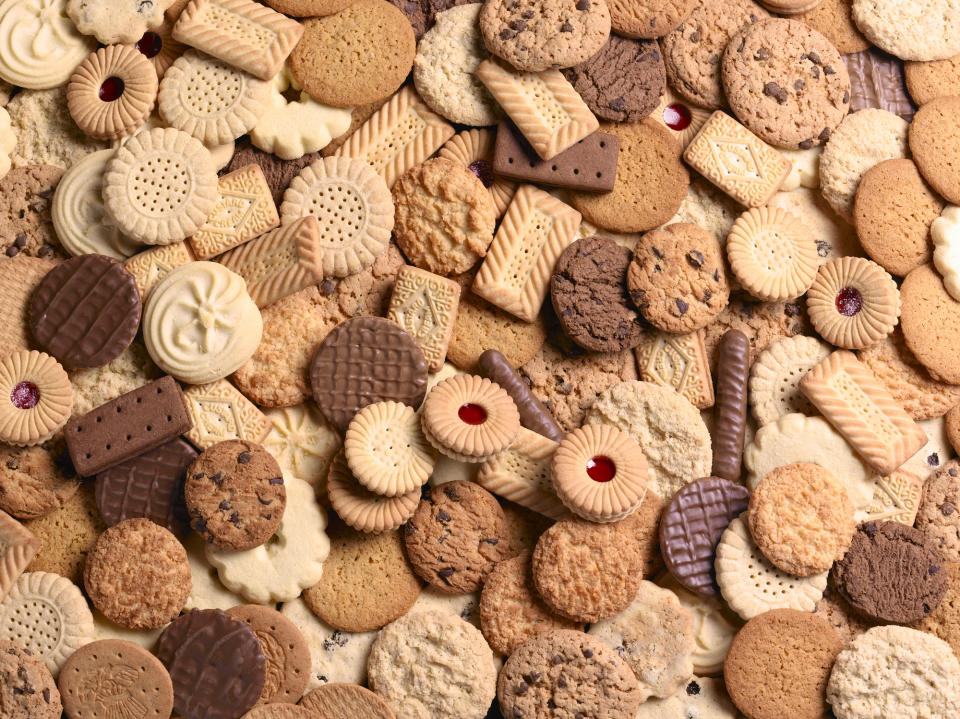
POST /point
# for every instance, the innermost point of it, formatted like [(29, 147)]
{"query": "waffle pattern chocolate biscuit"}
[(877, 80)]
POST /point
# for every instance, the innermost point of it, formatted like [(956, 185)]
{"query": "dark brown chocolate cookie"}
[(690, 528), (456, 536), (85, 312), (149, 485), (624, 81), (366, 360), (235, 495), (877, 81), (589, 294), (423, 13), (891, 573), (216, 664)]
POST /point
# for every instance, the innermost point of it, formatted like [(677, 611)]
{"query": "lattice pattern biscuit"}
[(515, 275), (860, 407), (244, 210), (151, 266), (679, 362), (543, 106), (737, 161), (896, 498), (400, 135), (425, 305), (219, 413)]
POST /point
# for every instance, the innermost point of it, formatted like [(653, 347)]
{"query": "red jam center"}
[(111, 89), (601, 469), (677, 117), (849, 301), (150, 44), (25, 395), (483, 170), (472, 414)]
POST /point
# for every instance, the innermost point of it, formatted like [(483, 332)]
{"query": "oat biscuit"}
[(362, 509), (219, 413), (775, 377), (37, 480), (934, 22), (762, 323), (679, 362), (153, 264), (39, 397), (737, 161), (938, 517), (930, 315)]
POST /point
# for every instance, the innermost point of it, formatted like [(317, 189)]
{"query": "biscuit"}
[(679, 362), (303, 443), (682, 118), (896, 498), (700, 696), (219, 413), (945, 232), (481, 326), (66, 535), (930, 315), (475, 149), (20, 547), (153, 264), (935, 147), (19, 276), (335, 700), (39, 697), (26, 226), (775, 377), (36, 480), (833, 19), (761, 322), (39, 397), (938, 517), (158, 46), (877, 80), (835, 237), (944, 621), (648, 18), (936, 24), (425, 306), (929, 80), (362, 509)]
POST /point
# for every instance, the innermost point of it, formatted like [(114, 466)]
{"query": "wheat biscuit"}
[(938, 516), (219, 413), (893, 211), (327, 65), (677, 278), (480, 326), (648, 18), (19, 276), (935, 22), (26, 225), (930, 315), (833, 19), (36, 480), (801, 518), (572, 551), (28, 688), (337, 700), (433, 665), (751, 585), (786, 102), (366, 583), (362, 509), (775, 377), (39, 398), (655, 636), (647, 159), (894, 669), (944, 621), (935, 144), (692, 52), (952, 426), (772, 253), (863, 139), (563, 673), (642, 527), (853, 302), (67, 535), (781, 661), (46, 614), (936, 78), (677, 361)]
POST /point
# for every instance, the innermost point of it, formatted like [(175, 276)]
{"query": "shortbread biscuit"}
[(303, 443), (679, 362), (362, 509), (775, 377), (515, 275), (425, 305), (38, 397), (896, 498), (220, 413), (155, 263)]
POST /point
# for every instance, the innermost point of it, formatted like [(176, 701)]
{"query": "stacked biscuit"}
[(520, 358)]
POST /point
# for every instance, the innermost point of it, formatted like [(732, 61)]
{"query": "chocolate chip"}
[(45, 250), (451, 492), (799, 85), (517, 714), (814, 58), (693, 689), (557, 659), (617, 104), (224, 505), (695, 258), (276, 480), (446, 572), (20, 242), (522, 688), (823, 248), (507, 34), (264, 502), (682, 306), (846, 96), (244, 458), (762, 54), (828, 70), (13, 251), (519, 25), (561, 682), (527, 14), (824, 134), (695, 36), (443, 516), (772, 89), (806, 144), (492, 540), (566, 27), (235, 519), (583, 5), (588, 653), (217, 478), (46, 695), (946, 509), (657, 252), (870, 528)]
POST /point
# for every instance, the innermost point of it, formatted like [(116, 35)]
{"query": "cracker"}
[(737, 161), (425, 305), (515, 275), (220, 413), (152, 265), (543, 105), (679, 362)]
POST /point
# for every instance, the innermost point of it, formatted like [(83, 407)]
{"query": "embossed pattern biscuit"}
[(219, 412), (425, 305), (152, 265), (775, 377), (677, 361)]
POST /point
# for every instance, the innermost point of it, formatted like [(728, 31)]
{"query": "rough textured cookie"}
[(648, 18), (775, 377), (456, 536), (474, 148), (862, 140), (833, 19), (935, 27), (623, 81), (564, 673), (894, 671), (95, 386), (433, 665), (27, 688), (838, 614), (481, 326), (939, 514), (37, 480), (340, 699), (571, 551), (929, 80), (930, 316), (328, 66), (667, 427), (935, 145), (46, 134), (235, 495), (692, 52), (787, 102), (780, 662), (26, 225), (762, 322), (67, 535)]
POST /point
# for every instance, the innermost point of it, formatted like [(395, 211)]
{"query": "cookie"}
[(460, 673), (153, 264), (775, 377), (159, 47), (933, 143), (838, 614), (853, 302), (944, 621), (29, 690), (219, 412), (567, 671), (26, 226), (425, 305), (930, 315), (474, 148), (891, 573), (896, 498), (655, 636), (325, 62), (362, 509), (445, 187), (751, 585), (66, 535), (20, 547), (622, 81), (781, 661), (367, 581), (761, 322), (692, 52), (682, 118), (604, 587), (676, 440), (481, 326), (648, 18), (36, 480), (833, 19), (335, 700), (700, 696), (877, 80), (945, 237), (835, 236), (929, 80), (805, 171), (677, 361), (469, 524), (884, 657), (938, 516), (849, 154), (39, 398), (786, 104), (303, 443), (883, 21)]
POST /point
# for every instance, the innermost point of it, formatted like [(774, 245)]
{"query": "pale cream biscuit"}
[(775, 377), (678, 362), (116, 21), (37, 397), (220, 413), (425, 305), (945, 233), (155, 263), (303, 443)]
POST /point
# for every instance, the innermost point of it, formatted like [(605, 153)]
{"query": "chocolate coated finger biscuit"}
[(730, 409), (533, 414)]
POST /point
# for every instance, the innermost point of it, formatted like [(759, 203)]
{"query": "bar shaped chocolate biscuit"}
[(589, 165), (128, 426)]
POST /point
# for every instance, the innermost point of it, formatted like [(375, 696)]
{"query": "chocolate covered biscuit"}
[(533, 414), (730, 409)]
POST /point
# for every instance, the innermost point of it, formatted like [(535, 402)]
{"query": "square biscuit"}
[(220, 413)]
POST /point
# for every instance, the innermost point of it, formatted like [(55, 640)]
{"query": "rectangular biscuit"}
[(543, 105), (219, 412), (591, 164), (242, 33), (245, 209), (152, 265), (861, 408), (400, 135), (425, 305), (128, 426), (737, 161), (279, 263), (678, 362), (515, 276), (522, 474)]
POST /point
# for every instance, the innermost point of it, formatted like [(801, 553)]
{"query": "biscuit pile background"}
[(533, 359)]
